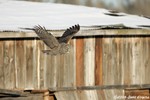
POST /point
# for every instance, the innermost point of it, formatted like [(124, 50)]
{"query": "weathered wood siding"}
[(99, 60)]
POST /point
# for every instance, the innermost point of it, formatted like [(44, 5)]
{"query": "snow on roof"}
[(22, 14)]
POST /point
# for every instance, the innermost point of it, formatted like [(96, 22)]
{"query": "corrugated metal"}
[(91, 61)]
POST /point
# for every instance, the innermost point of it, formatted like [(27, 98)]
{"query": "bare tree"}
[(140, 7)]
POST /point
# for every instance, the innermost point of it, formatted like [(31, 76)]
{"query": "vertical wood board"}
[(2, 64), (9, 65), (79, 62), (89, 61)]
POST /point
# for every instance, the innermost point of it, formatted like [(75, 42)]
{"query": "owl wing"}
[(68, 34), (47, 38)]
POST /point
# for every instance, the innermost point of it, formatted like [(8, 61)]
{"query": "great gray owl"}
[(57, 46)]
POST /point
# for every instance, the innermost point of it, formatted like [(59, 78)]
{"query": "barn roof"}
[(15, 15)]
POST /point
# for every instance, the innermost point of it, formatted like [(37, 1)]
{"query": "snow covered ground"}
[(16, 14)]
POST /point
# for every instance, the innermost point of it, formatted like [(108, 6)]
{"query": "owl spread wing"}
[(47, 38), (68, 34)]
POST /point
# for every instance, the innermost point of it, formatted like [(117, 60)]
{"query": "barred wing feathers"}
[(47, 38), (68, 34)]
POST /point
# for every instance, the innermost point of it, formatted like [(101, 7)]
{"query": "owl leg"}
[(46, 51)]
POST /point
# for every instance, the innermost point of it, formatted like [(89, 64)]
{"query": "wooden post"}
[(47, 96), (51, 98), (79, 62)]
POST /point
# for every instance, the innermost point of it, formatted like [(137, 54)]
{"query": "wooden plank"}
[(117, 65), (71, 65), (61, 70), (47, 97), (39, 64), (113, 66), (42, 63), (91, 95), (89, 61), (55, 75), (138, 94), (116, 60), (112, 69), (29, 64), (51, 77), (65, 69), (50, 70), (108, 70), (51, 98), (47, 70), (20, 63), (109, 94), (127, 60), (91, 32), (36, 62), (30, 97), (143, 58), (146, 58), (11, 92), (101, 95), (1, 64), (98, 62), (98, 66), (71, 95), (89, 67), (81, 95), (9, 64), (102, 87), (136, 64), (79, 62)]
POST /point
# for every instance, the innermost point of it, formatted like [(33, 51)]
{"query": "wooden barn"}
[(109, 57)]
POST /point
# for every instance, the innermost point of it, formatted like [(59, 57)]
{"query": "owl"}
[(56, 46)]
